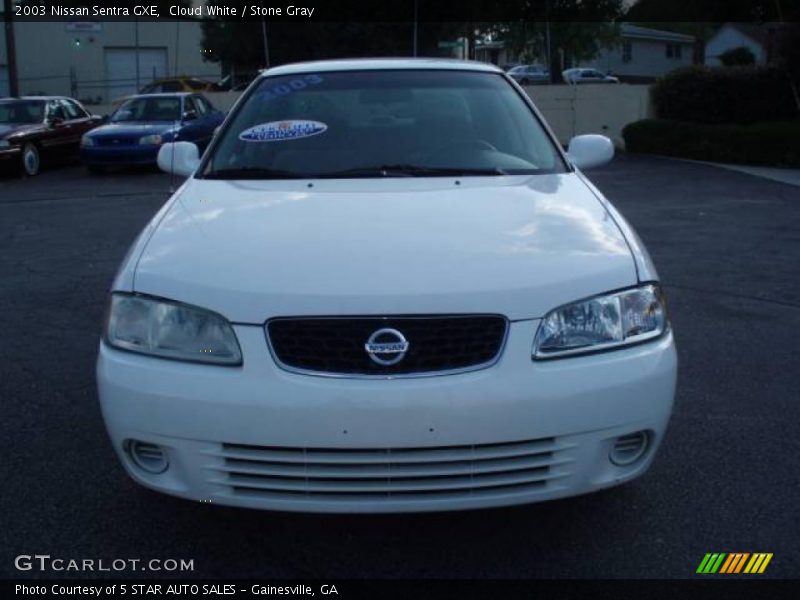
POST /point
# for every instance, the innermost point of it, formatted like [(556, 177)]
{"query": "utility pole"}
[(416, 2), (11, 50), (136, 43), (177, 47), (264, 37)]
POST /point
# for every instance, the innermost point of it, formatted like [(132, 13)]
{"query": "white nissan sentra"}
[(384, 287)]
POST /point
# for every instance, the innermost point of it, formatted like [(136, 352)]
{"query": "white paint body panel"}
[(518, 246), (190, 410)]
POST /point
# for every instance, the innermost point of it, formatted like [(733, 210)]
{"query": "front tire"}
[(31, 161)]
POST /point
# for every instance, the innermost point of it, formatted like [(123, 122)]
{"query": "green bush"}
[(773, 143), (724, 95)]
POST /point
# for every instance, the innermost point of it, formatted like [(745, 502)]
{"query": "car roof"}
[(161, 95), (380, 64), (179, 78), (43, 98)]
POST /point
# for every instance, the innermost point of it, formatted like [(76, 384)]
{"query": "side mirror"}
[(189, 115), (588, 151), (179, 158), (55, 121)]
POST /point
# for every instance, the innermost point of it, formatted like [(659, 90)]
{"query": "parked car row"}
[(534, 74), (36, 130)]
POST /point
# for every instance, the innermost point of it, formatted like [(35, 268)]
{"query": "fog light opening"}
[(629, 448), (148, 457)]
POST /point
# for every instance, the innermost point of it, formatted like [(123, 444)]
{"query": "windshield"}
[(153, 108), (382, 124), (22, 112)]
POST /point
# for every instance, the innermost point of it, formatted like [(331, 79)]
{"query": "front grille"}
[(384, 473), (117, 141), (436, 344)]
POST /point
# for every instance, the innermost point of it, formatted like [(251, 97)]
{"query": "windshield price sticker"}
[(279, 131)]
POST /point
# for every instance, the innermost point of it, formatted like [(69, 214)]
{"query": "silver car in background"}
[(529, 74), (579, 75)]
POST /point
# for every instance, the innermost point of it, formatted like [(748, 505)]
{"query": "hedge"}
[(724, 95), (771, 143)]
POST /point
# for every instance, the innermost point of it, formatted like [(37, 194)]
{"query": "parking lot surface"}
[(727, 246)]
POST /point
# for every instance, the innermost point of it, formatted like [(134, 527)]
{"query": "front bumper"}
[(260, 437), (12, 153), (123, 155)]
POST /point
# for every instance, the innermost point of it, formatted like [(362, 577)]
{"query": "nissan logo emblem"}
[(387, 346)]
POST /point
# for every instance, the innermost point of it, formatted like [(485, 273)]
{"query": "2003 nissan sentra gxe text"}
[(384, 287)]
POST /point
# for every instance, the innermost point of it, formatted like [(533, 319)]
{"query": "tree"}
[(738, 57), (565, 31), (789, 56), (239, 43)]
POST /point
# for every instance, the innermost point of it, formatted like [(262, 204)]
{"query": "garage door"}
[(3, 81), (121, 69)]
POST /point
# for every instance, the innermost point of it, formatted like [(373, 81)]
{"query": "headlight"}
[(170, 330), (151, 140), (602, 322), (4, 144), (87, 141)]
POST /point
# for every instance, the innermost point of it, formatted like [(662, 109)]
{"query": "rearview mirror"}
[(55, 121), (179, 158), (189, 115), (592, 150)]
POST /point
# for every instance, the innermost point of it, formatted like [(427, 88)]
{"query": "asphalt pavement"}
[(727, 246)]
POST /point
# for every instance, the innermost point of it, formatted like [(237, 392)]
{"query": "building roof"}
[(634, 31), (756, 32), (380, 64)]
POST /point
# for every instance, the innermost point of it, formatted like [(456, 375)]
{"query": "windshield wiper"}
[(412, 171), (253, 173)]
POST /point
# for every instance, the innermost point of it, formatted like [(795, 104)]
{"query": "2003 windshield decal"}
[(293, 85)]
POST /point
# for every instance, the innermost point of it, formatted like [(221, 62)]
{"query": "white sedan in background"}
[(385, 288), (587, 76)]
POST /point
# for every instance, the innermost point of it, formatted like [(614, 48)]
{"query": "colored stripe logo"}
[(734, 562)]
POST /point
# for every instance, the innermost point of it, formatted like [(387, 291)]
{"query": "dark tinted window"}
[(149, 108), (56, 111), (73, 110), (22, 111)]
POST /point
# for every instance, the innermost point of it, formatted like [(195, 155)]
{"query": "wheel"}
[(96, 169), (31, 162)]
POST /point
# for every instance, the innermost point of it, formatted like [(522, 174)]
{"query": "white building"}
[(644, 54), (639, 55), (97, 61), (738, 35)]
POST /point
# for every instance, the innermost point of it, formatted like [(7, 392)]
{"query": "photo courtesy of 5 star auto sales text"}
[(403, 299)]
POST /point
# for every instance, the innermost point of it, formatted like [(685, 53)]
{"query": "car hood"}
[(517, 246), (9, 129), (131, 128)]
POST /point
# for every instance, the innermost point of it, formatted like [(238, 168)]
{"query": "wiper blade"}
[(412, 171), (253, 173)]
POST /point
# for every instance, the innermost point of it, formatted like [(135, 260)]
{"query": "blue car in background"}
[(137, 129)]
